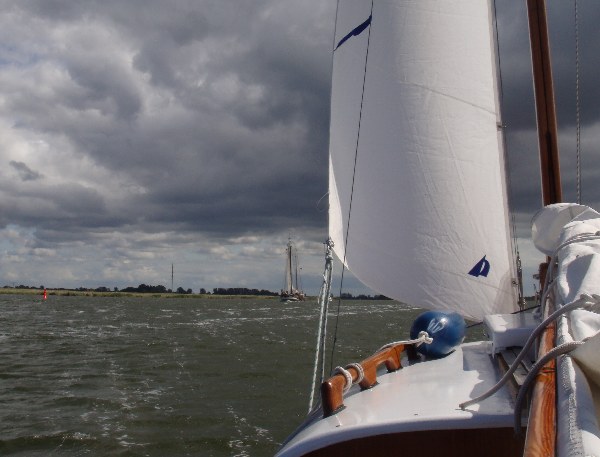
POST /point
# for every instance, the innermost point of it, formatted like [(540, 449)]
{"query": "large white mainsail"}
[(428, 220)]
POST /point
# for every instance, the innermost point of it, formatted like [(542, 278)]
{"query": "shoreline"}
[(91, 293)]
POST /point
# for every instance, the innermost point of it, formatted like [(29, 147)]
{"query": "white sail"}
[(289, 269), (428, 223)]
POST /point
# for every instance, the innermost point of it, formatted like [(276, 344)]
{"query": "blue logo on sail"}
[(481, 268), (355, 32)]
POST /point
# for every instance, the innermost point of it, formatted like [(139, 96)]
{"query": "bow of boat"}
[(415, 405)]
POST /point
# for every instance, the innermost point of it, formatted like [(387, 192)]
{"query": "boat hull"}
[(490, 442), (417, 408)]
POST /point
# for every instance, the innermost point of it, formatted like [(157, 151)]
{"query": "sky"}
[(140, 134)]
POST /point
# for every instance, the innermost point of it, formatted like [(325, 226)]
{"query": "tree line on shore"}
[(160, 289)]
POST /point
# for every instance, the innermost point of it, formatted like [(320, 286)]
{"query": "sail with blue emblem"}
[(417, 195)]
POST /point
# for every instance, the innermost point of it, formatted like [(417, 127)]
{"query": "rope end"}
[(464, 405)]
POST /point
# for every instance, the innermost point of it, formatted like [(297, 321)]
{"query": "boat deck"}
[(422, 396)]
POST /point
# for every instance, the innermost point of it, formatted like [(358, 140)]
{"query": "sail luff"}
[(429, 197)]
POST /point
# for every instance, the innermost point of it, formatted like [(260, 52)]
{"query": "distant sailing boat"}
[(418, 212), (292, 290)]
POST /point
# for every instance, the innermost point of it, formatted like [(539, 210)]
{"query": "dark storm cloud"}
[(176, 128), (221, 108), (516, 63), (26, 173), (518, 105)]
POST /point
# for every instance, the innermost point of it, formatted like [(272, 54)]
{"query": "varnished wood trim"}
[(332, 389), (541, 429), (544, 99)]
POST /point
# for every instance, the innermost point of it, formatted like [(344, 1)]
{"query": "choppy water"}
[(167, 377)]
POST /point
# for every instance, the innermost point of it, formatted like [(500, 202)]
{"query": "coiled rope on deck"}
[(344, 371)]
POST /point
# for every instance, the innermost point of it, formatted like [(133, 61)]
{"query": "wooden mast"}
[(544, 101), (541, 429)]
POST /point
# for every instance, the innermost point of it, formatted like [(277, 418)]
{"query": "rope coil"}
[(347, 375), (359, 369), (423, 338)]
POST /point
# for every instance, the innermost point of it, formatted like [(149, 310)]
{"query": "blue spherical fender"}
[(446, 329)]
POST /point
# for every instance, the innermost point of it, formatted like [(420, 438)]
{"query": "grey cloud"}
[(25, 173), (211, 117), (104, 87)]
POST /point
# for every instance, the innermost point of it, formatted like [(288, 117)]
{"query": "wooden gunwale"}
[(332, 389)]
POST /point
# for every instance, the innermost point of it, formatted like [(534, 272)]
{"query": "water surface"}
[(167, 377)]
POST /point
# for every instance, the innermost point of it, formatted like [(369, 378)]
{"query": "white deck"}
[(422, 396)]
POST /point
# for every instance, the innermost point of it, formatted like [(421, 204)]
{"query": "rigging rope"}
[(337, 317), (551, 355), (509, 196), (585, 301), (324, 297), (325, 292)]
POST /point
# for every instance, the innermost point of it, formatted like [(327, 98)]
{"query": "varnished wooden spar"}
[(332, 389), (541, 434), (544, 100), (541, 428)]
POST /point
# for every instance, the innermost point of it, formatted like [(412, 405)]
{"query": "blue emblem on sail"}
[(357, 31), (481, 268)]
